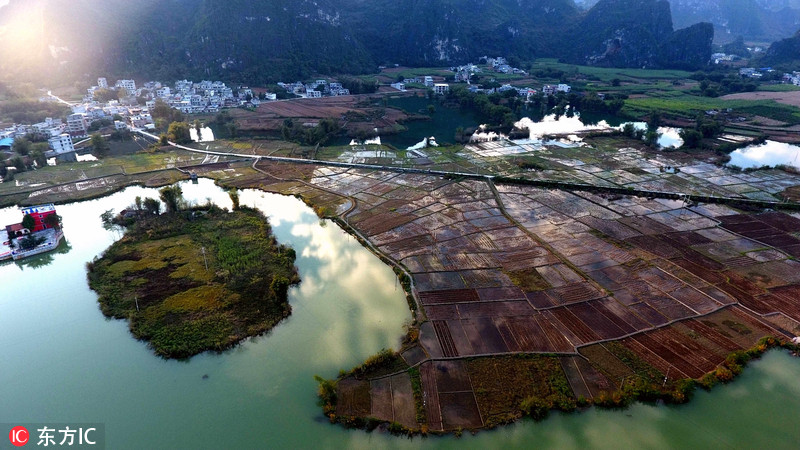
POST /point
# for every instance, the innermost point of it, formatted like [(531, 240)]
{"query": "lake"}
[(442, 125), (770, 154), (445, 121), (62, 361)]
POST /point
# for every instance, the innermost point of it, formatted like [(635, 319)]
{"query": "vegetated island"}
[(194, 280)]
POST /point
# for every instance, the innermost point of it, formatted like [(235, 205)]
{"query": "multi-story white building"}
[(128, 85), (441, 88), (163, 92), (61, 144), (564, 88), (76, 124), (183, 86), (97, 113), (102, 83)]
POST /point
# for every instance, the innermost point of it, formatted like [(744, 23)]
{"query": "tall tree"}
[(179, 133), (165, 113), (28, 222), (152, 206), (38, 156), (52, 221), (234, 195), (198, 127), (99, 145), (172, 196), (19, 163), (21, 146)]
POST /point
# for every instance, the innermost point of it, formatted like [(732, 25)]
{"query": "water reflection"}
[(70, 364), (424, 143), (206, 134), (553, 124), (373, 141), (668, 137), (77, 366), (770, 154), (45, 259)]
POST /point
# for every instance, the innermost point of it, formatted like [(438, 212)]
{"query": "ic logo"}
[(18, 436)]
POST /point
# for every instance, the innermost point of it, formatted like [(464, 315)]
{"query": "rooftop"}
[(39, 209)]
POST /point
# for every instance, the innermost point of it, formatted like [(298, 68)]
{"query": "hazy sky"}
[(3, 3)]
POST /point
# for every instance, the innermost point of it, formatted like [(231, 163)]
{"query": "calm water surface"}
[(206, 134), (62, 361), (770, 153)]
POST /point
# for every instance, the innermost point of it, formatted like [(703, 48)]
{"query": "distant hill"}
[(785, 51), (638, 33), (755, 20), (256, 41)]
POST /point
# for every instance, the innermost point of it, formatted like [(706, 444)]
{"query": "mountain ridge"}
[(260, 41)]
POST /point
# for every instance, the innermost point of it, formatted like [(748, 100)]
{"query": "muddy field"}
[(503, 270), (353, 112), (788, 98)]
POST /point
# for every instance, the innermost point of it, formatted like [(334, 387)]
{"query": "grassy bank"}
[(196, 280)]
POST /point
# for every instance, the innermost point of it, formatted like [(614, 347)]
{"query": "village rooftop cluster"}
[(126, 111), (463, 74)]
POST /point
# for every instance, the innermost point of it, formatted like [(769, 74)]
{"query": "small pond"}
[(770, 154)]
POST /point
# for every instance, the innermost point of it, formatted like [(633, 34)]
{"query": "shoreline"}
[(727, 373), (616, 398)]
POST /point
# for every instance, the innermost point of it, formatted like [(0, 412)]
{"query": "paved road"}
[(60, 100)]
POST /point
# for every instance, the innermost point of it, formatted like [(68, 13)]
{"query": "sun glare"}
[(24, 36)]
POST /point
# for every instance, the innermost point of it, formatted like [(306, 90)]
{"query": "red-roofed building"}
[(16, 230), (39, 213)]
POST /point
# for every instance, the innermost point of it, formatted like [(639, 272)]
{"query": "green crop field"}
[(686, 105), (608, 74)]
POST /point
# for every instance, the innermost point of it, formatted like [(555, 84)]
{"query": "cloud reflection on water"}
[(770, 153)]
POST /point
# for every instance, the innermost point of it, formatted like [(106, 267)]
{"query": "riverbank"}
[(509, 388), (668, 265), (196, 280)]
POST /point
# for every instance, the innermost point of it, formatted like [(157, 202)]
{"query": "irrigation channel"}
[(63, 362)]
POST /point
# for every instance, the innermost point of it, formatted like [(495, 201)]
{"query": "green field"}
[(685, 105), (608, 74), (419, 72), (77, 171)]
